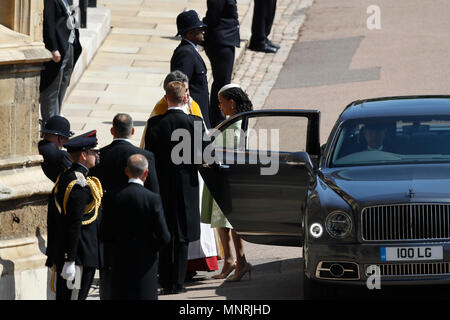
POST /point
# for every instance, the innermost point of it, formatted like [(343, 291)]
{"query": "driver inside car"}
[(374, 135)]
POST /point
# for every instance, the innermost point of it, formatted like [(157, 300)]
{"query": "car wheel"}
[(308, 288), (314, 290)]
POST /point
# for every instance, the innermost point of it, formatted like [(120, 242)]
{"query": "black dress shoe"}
[(190, 276), (270, 43), (179, 289), (165, 291), (264, 47)]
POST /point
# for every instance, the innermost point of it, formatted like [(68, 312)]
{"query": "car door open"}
[(262, 172)]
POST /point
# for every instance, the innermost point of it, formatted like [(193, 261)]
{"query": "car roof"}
[(397, 106)]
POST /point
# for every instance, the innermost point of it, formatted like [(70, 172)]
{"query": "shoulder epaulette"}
[(96, 191)]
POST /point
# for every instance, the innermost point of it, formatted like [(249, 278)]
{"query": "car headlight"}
[(338, 224), (316, 230)]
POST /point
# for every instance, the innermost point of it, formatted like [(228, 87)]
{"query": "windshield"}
[(393, 140)]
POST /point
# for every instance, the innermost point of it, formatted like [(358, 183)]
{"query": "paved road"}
[(338, 59)]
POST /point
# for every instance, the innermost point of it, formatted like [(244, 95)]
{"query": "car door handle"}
[(224, 166), (295, 164)]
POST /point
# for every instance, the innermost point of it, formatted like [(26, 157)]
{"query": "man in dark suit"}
[(56, 133), (77, 199), (140, 230), (111, 173), (187, 59), (178, 181), (61, 38), (263, 16), (221, 38)]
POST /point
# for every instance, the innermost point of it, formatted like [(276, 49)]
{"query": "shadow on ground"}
[(279, 280)]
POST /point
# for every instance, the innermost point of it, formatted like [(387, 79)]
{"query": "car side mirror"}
[(300, 159)]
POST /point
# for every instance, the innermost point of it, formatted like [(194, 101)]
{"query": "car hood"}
[(391, 184)]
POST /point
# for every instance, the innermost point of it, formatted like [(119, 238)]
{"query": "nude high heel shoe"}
[(238, 276), (224, 275)]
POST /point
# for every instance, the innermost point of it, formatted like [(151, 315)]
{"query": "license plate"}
[(411, 253)]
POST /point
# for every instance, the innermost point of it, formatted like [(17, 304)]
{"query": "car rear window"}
[(392, 140)]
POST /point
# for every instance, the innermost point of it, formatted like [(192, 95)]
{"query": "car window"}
[(393, 140), (229, 139), (277, 133)]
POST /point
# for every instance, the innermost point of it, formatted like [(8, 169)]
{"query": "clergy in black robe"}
[(140, 230), (178, 182), (221, 38)]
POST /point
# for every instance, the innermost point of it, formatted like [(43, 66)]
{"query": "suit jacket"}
[(56, 36), (222, 22), (72, 240), (186, 59), (178, 182), (55, 160), (111, 173), (140, 230)]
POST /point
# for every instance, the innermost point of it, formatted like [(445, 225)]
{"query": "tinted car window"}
[(392, 140)]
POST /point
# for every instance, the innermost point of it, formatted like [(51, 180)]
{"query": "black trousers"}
[(173, 259), (106, 272), (64, 293), (263, 16), (222, 62)]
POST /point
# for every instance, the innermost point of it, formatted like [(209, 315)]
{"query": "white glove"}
[(68, 271)]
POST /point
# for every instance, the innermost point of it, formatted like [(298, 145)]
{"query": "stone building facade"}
[(23, 187)]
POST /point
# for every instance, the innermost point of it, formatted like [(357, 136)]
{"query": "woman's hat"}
[(188, 20), (229, 86)]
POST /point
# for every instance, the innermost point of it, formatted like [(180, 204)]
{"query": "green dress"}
[(211, 213)]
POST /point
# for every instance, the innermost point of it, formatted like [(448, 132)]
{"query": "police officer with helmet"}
[(56, 133)]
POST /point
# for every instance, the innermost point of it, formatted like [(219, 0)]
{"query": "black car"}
[(373, 201)]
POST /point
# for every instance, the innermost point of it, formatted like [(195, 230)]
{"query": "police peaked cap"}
[(188, 20), (58, 125), (82, 142)]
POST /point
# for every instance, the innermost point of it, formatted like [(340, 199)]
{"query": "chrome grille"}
[(414, 269), (406, 222)]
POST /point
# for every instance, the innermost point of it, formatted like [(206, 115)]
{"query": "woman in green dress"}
[(232, 100)]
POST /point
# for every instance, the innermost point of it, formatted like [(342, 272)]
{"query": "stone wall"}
[(24, 16), (23, 186)]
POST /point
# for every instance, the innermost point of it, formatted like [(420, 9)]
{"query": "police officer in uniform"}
[(263, 16), (187, 59), (221, 38), (76, 200), (56, 133)]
